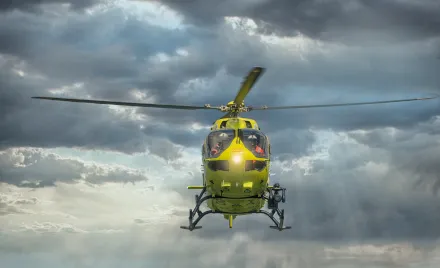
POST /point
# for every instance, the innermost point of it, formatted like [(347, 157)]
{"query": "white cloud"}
[(68, 89), (299, 46), (90, 208), (152, 12), (36, 167)]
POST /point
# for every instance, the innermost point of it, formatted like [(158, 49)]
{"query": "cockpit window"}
[(219, 141), (255, 141)]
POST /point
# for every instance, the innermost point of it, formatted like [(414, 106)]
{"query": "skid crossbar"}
[(272, 204)]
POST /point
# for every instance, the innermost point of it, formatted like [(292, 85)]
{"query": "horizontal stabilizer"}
[(280, 228), (195, 187)]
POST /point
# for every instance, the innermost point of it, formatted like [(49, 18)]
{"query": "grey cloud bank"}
[(376, 185), (110, 56)]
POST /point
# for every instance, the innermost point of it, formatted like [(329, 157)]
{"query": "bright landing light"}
[(237, 158)]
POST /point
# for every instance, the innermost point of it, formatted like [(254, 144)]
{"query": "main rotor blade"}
[(247, 84), (135, 104), (338, 104)]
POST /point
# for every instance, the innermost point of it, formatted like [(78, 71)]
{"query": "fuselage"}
[(236, 162)]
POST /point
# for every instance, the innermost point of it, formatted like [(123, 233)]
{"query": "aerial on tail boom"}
[(236, 158)]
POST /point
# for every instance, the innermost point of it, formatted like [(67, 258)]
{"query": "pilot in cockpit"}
[(217, 148), (253, 140)]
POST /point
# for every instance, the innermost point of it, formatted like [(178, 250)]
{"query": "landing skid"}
[(273, 198)]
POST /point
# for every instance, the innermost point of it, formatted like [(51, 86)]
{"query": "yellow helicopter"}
[(236, 158)]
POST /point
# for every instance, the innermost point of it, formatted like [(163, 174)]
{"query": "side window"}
[(248, 124), (255, 141), (205, 150), (223, 124)]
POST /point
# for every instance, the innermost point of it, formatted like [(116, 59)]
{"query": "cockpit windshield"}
[(255, 141), (218, 141)]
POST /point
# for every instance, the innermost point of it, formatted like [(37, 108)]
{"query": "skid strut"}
[(275, 195)]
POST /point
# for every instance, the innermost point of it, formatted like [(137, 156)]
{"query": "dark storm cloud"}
[(375, 71), (329, 20), (111, 58), (34, 5), (25, 122), (422, 163), (164, 79), (100, 64), (353, 74), (287, 143), (346, 197), (86, 48), (179, 136)]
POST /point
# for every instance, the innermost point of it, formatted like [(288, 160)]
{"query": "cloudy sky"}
[(100, 186)]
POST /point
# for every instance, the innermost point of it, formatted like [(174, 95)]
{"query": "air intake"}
[(222, 165), (255, 165)]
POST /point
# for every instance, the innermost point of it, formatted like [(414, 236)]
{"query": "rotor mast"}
[(233, 110)]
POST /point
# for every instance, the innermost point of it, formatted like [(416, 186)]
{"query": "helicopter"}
[(236, 157)]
